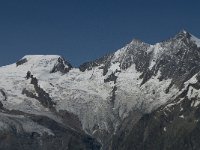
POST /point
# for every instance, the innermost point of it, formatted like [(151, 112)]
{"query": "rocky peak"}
[(177, 58), (61, 66), (183, 34), (185, 37), (133, 52), (136, 41), (136, 52)]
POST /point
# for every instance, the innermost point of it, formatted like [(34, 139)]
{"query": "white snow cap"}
[(40, 63), (47, 57)]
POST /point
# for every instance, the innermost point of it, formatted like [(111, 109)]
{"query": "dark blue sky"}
[(83, 30)]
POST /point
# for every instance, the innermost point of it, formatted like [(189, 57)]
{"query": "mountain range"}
[(141, 97)]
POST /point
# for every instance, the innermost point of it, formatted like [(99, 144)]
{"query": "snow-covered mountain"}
[(96, 99)]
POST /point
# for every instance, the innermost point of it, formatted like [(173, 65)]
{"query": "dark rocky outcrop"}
[(89, 65), (22, 61), (28, 75), (111, 77), (4, 94), (62, 66), (42, 96)]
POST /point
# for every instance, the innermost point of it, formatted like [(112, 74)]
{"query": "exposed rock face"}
[(3, 94), (179, 60), (40, 94), (98, 62), (61, 66), (140, 97), (21, 61), (133, 53)]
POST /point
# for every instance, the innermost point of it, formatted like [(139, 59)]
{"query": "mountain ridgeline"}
[(141, 97)]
